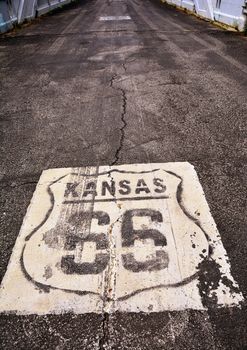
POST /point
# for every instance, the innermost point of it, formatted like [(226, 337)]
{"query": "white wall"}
[(231, 12), (226, 11), (12, 11), (8, 14)]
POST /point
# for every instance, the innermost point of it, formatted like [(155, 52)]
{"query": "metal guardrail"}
[(17, 11)]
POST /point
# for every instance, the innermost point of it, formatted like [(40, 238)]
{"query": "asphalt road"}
[(160, 87)]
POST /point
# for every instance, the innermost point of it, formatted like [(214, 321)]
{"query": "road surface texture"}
[(160, 87)]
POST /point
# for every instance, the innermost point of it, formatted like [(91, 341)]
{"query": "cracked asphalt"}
[(161, 87)]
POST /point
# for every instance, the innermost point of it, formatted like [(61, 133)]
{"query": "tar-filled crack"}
[(124, 67), (110, 283), (15, 184), (123, 120), (105, 331)]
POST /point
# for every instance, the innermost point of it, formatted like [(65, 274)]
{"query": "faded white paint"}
[(114, 18), (145, 247)]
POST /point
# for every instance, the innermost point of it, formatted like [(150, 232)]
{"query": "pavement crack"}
[(15, 184), (109, 288), (123, 120), (105, 332), (124, 67)]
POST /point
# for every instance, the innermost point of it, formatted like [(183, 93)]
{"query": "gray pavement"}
[(160, 87)]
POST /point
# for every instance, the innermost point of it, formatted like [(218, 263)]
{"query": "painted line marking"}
[(115, 199), (114, 18), (132, 238)]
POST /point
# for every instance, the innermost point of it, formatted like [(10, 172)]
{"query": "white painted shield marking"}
[(128, 238), (114, 18)]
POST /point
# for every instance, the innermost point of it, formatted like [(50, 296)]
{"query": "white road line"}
[(114, 18)]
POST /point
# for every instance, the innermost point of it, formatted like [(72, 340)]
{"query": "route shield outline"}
[(112, 235)]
